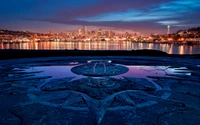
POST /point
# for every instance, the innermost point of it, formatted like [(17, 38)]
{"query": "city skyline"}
[(119, 15)]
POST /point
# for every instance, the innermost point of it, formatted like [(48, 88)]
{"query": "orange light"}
[(169, 39)]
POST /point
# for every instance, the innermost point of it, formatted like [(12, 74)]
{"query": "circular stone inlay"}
[(99, 68)]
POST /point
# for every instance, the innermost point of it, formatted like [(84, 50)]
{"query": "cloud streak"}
[(156, 12), (142, 16)]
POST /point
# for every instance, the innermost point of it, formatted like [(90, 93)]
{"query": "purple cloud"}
[(140, 16)]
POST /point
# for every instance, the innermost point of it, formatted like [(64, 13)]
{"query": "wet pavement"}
[(100, 91)]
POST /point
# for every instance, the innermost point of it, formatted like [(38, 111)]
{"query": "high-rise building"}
[(85, 30), (79, 32), (100, 33), (95, 32), (112, 33), (109, 33)]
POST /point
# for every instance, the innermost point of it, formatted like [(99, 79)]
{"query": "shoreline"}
[(186, 42), (14, 54)]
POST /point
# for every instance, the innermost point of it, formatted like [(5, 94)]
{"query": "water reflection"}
[(134, 71), (181, 49), (54, 71), (102, 45)]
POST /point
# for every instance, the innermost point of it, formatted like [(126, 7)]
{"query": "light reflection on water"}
[(134, 71), (54, 71), (103, 45)]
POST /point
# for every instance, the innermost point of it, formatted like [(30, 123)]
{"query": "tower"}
[(168, 29)]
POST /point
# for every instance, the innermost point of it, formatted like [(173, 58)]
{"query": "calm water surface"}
[(103, 45), (134, 71)]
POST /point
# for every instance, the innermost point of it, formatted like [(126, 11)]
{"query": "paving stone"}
[(99, 98)]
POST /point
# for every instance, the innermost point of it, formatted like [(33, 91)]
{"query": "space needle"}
[(168, 29)]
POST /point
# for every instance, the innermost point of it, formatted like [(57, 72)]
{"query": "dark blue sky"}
[(144, 16)]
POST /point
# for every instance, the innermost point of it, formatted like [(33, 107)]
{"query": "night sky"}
[(143, 16)]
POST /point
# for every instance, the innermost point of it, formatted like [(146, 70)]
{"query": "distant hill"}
[(197, 30), (193, 33)]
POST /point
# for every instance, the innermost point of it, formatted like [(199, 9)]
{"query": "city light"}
[(84, 34)]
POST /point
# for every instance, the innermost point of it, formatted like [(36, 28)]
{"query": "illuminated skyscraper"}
[(79, 32), (109, 33), (95, 32), (85, 30), (100, 32)]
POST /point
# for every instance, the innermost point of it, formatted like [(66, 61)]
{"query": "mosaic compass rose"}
[(99, 92)]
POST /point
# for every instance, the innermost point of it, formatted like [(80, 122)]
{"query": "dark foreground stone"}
[(29, 99)]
